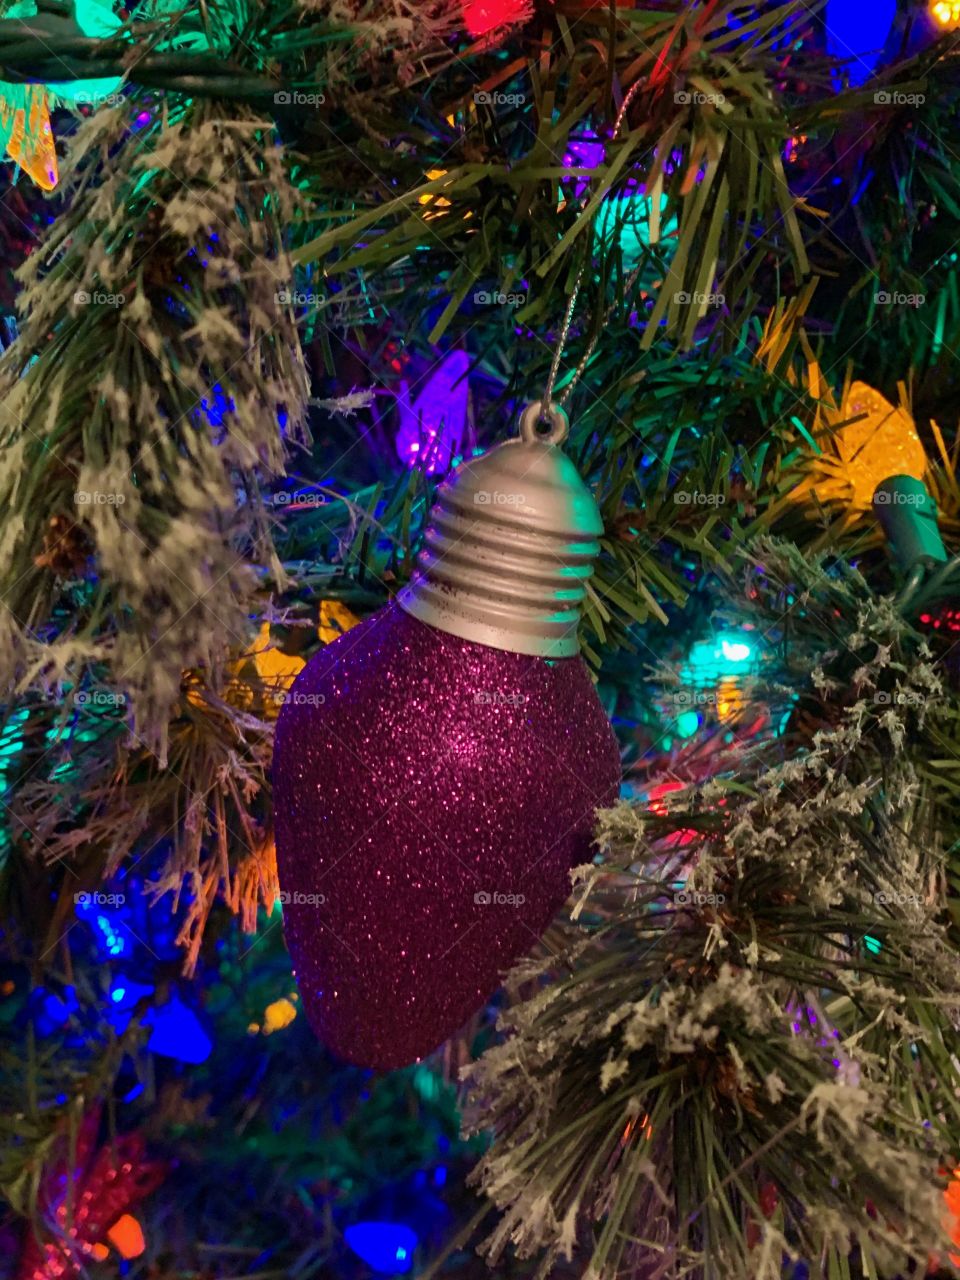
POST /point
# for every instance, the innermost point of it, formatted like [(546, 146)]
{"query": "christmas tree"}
[(480, 705)]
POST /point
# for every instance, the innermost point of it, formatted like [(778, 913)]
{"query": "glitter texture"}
[(883, 443), (431, 796)]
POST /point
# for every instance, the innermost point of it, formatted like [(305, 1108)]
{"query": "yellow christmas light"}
[(884, 443), (856, 456), (278, 1015), (437, 202), (731, 699), (335, 619), (431, 198), (277, 670), (263, 675), (946, 12)]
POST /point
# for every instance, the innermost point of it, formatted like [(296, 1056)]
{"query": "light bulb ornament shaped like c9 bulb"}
[(437, 768)]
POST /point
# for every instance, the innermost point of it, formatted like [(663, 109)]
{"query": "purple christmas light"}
[(433, 425)]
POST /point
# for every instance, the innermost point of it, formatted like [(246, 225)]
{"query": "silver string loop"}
[(547, 399)]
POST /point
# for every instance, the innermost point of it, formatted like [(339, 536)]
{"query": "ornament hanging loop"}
[(568, 317), (536, 417)]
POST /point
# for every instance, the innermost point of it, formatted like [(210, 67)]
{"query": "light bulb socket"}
[(510, 545), (908, 515)]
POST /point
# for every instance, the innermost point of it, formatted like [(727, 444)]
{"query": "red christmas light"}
[(84, 1202), (945, 618), (485, 16)]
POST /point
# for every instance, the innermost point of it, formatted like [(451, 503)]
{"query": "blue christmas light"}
[(177, 1032), (112, 940), (123, 920), (217, 406), (175, 1029), (387, 1247), (51, 1011), (124, 995)]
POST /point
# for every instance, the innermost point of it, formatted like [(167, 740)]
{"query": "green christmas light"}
[(624, 222), (688, 722)]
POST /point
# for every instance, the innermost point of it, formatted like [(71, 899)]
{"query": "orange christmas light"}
[(25, 123), (126, 1236), (646, 1128)]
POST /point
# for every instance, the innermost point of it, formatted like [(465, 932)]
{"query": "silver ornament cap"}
[(510, 544)]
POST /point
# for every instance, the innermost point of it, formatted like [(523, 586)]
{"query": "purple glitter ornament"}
[(437, 768), (432, 796)]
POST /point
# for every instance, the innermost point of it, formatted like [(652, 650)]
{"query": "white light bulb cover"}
[(510, 544)]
